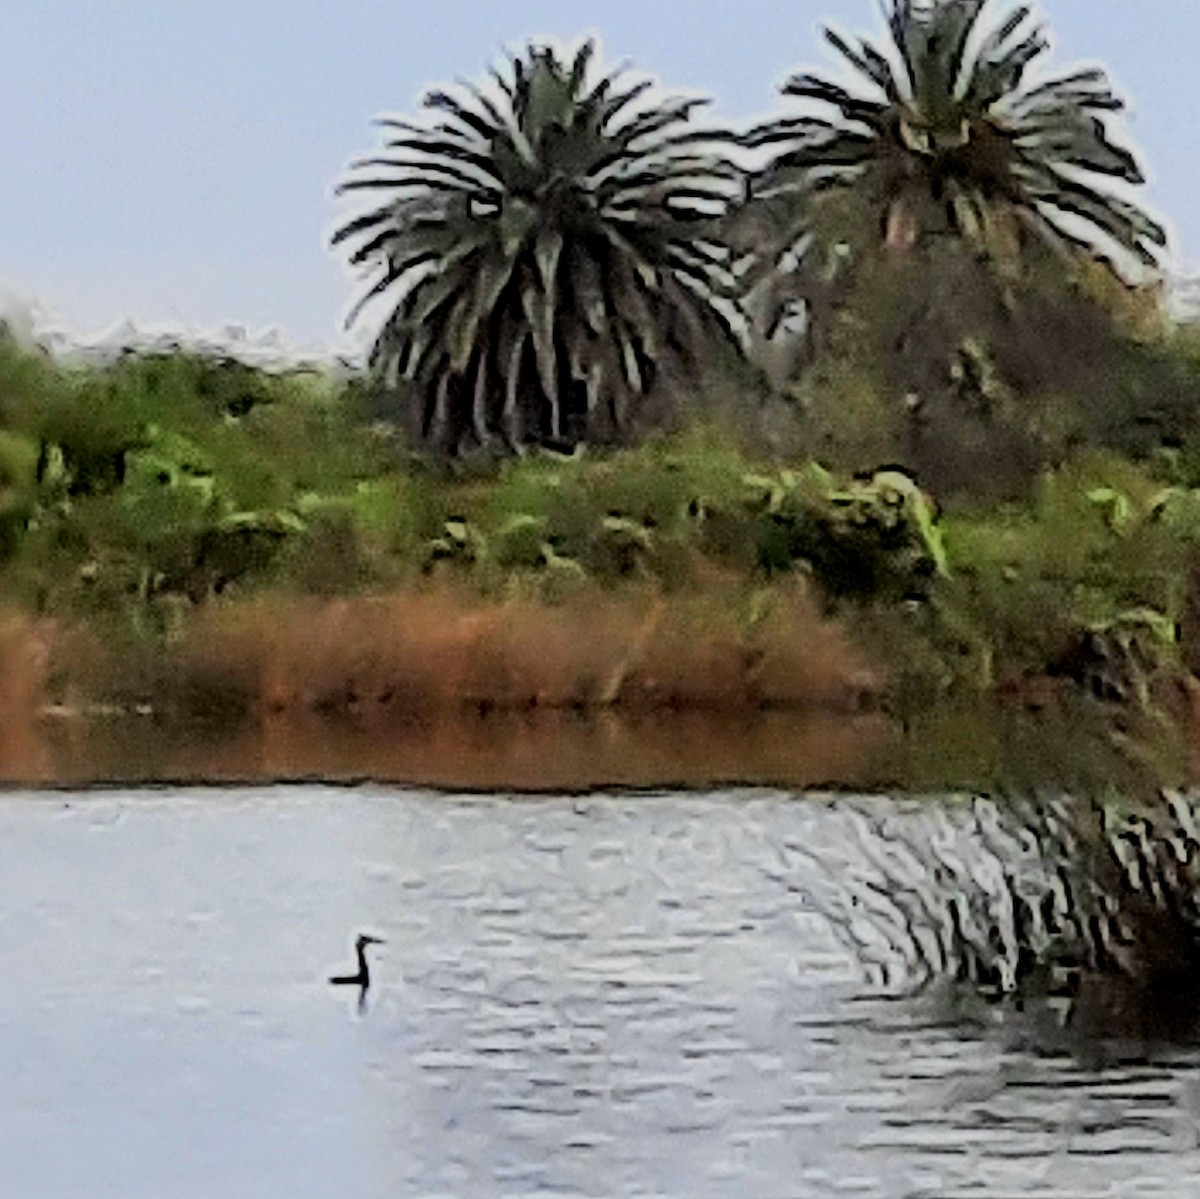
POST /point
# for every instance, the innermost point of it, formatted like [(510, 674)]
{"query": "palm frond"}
[(960, 126), (551, 247)]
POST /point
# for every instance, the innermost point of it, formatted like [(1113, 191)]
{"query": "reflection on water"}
[(978, 745), (578, 997), (547, 750)]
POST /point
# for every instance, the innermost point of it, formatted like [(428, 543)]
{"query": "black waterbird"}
[(361, 979)]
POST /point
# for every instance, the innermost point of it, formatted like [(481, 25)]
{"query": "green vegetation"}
[(140, 497), (975, 450), (550, 252), (166, 483), (163, 477), (954, 142), (941, 256)]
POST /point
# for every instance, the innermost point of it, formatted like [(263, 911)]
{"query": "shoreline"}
[(530, 752), (433, 686), (987, 745)]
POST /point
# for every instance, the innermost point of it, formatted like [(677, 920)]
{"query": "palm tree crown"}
[(549, 244), (949, 133)]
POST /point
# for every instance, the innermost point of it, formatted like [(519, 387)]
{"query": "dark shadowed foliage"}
[(548, 246), (934, 224), (947, 135)]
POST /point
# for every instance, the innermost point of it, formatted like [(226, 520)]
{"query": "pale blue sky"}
[(172, 159)]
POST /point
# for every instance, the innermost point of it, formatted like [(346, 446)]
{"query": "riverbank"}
[(431, 688), (200, 546), (534, 752), (989, 746), (436, 649), (438, 686)]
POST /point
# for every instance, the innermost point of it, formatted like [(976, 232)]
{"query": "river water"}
[(611, 996)]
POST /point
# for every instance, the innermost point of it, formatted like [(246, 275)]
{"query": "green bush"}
[(147, 488), (1099, 543)]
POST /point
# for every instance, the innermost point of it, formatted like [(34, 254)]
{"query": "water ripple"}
[(635, 996)]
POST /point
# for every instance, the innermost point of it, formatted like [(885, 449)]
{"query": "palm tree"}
[(948, 135), (549, 244)]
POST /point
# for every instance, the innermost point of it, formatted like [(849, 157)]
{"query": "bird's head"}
[(363, 941)]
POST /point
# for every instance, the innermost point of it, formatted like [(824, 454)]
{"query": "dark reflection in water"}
[(981, 745), (580, 997), (547, 751)]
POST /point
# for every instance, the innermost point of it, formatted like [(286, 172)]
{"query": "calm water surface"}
[(602, 997)]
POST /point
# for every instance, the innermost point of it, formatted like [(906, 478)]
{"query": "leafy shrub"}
[(868, 540), (18, 490), (1098, 548)]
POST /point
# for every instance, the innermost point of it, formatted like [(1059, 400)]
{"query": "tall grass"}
[(438, 648)]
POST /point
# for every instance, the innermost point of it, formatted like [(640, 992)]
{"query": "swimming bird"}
[(362, 979)]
